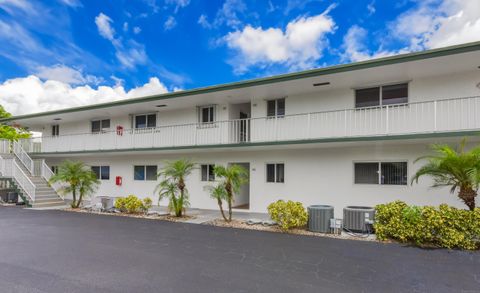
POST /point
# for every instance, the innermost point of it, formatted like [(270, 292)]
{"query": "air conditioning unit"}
[(319, 218), (356, 218)]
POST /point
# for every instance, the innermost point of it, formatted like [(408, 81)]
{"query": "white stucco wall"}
[(312, 176), (424, 89)]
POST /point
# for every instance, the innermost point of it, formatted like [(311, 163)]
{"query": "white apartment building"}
[(341, 135)]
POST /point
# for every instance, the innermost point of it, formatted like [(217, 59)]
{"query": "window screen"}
[(394, 173), (276, 173), (270, 172), (366, 173), (208, 172), (367, 97), (139, 172), (395, 94), (151, 172), (276, 108)]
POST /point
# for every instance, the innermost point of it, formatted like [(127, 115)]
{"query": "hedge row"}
[(444, 226)]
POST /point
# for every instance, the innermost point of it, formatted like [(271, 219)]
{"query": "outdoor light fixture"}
[(321, 83), (161, 106), (57, 119)]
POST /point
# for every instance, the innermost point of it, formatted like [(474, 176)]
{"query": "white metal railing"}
[(459, 114), (10, 168), (4, 146), (23, 157), (47, 173)]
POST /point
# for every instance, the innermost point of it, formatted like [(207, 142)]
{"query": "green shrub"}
[(444, 226), (288, 214), (147, 204), (130, 204)]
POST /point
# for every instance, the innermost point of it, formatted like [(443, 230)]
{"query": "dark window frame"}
[(148, 120), (209, 174), (99, 174), (380, 101), (211, 114), (380, 173), (103, 125), (277, 111), (55, 130), (278, 172), (146, 174)]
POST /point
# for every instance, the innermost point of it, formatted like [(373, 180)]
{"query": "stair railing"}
[(10, 168), (23, 156), (47, 173)]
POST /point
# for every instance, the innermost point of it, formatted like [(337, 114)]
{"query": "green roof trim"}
[(286, 142), (402, 58)]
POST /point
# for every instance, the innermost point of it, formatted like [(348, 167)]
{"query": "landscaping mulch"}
[(238, 224), (170, 218)]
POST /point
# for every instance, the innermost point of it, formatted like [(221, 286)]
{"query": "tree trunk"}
[(467, 194), (74, 199), (219, 201), (80, 198)]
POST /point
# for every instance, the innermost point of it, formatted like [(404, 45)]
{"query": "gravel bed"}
[(140, 216), (238, 224)]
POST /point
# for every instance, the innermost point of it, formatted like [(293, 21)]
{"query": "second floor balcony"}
[(449, 115)]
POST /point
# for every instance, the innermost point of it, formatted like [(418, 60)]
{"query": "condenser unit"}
[(356, 218)]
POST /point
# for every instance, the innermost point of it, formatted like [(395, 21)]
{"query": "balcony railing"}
[(459, 114)]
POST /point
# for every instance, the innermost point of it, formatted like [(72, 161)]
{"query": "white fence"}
[(458, 114)]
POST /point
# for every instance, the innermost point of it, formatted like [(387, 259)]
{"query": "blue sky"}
[(63, 53)]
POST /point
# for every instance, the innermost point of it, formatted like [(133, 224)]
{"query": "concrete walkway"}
[(201, 216)]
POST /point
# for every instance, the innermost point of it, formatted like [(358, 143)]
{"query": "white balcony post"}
[(386, 119), (345, 123), (435, 116), (309, 118)]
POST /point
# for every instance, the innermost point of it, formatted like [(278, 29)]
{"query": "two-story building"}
[(341, 135)]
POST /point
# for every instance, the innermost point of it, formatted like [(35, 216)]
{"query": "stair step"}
[(48, 204)]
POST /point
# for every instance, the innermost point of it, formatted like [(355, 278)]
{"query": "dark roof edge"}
[(402, 58)]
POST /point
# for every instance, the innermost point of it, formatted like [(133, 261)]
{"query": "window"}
[(382, 95), (276, 173), (207, 172), (102, 172), (100, 125), (145, 121), (145, 173), (385, 173), (55, 130), (54, 169), (276, 108), (206, 114)]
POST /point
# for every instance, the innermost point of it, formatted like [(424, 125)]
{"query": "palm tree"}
[(456, 168), (78, 177), (175, 173), (233, 177), (218, 192)]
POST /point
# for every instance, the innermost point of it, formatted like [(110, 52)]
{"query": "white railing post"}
[(387, 121), (435, 115), (309, 121)]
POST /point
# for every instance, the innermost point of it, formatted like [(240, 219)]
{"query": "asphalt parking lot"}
[(57, 251)]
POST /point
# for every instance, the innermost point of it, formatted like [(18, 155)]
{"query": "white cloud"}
[(72, 3), (178, 3), (66, 74), (355, 46), (429, 24), (129, 53), (228, 14), (371, 8), (125, 26), (30, 94), (299, 46), (170, 23), (203, 21), (137, 30), (438, 23), (104, 27)]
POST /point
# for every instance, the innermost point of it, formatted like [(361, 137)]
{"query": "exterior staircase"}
[(34, 189)]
